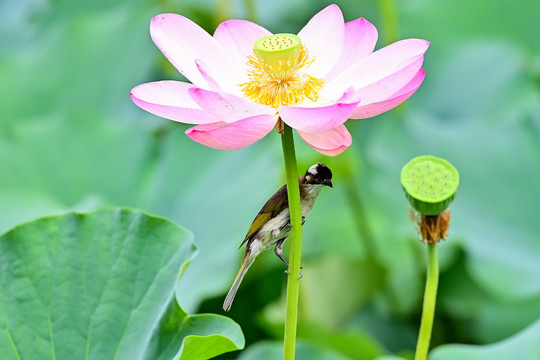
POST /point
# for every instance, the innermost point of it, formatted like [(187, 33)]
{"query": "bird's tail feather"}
[(246, 263)]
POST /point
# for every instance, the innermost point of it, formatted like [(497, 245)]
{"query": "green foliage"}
[(304, 351), (523, 346), (201, 341), (70, 139), (101, 285), (347, 343), (498, 239), (336, 274)]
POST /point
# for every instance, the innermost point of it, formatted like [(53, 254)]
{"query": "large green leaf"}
[(194, 337), (101, 286), (522, 346)]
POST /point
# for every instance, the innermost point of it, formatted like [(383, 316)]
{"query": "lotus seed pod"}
[(430, 184), (279, 54)]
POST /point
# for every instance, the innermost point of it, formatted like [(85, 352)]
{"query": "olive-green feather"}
[(271, 209)]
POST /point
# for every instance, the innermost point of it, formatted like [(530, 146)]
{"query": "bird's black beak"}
[(328, 183)]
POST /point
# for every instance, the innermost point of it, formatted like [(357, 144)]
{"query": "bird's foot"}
[(300, 276), (276, 232)]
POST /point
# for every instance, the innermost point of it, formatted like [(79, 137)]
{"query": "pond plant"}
[(430, 184), (246, 81), (95, 180)]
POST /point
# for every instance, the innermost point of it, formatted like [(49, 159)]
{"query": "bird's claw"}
[(287, 224), (300, 276)]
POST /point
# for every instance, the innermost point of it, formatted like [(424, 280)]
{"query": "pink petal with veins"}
[(205, 73), (182, 41), (224, 136), (373, 109), (320, 119), (360, 40), (359, 83), (227, 107), (323, 37), (332, 142), (237, 38), (376, 66), (171, 100), (388, 86)]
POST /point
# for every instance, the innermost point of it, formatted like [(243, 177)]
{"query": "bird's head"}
[(319, 174)]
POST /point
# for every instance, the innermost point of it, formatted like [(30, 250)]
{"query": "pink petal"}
[(332, 142), (237, 38), (224, 136), (373, 109), (360, 39), (376, 66), (227, 107), (323, 36), (171, 100), (205, 73), (386, 87), (182, 42), (320, 119)]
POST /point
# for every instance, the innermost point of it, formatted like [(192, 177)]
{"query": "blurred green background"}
[(70, 138)]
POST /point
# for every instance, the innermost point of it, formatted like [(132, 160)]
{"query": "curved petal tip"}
[(331, 143), (224, 136)]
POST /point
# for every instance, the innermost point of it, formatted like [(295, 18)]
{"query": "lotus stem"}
[(428, 310), (295, 243)]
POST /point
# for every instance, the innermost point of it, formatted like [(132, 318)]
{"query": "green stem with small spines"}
[(430, 297), (295, 243)]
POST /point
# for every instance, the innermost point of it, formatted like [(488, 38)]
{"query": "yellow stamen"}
[(281, 81)]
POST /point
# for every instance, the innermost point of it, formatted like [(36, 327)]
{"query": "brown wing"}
[(271, 209)]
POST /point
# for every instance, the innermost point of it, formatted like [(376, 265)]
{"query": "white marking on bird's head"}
[(313, 169)]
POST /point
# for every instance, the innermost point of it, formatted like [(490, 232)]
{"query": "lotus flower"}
[(245, 80)]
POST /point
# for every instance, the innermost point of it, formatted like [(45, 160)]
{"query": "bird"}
[(272, 225)]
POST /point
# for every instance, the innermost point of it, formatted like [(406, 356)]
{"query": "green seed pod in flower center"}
[(430, 184), (279, 54)]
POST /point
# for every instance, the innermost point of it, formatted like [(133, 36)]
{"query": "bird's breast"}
[(273, 231), (309, 194)]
